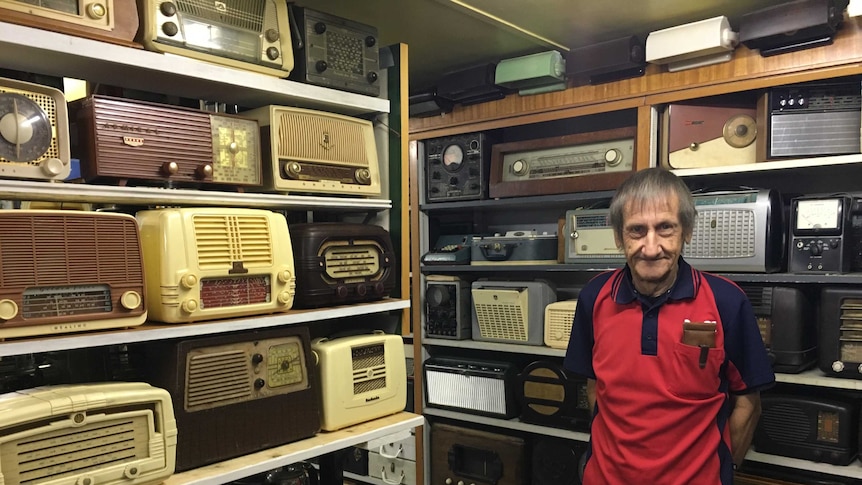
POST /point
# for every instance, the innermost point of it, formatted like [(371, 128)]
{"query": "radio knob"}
[(379, 289), (319, 28), (613, 157), (859, 369), (96, 10), (272, 53), (205, 171), (233, 147), (320, 66), (284, 276), (448, 481), (341, 291), (361, 290), (170, 168), (189, 281), (256, 359), (837, 366), (259, 383), (363, 176), (284, 297), (8, 310), (453, 181), (816, 249), (131, 300), (519, 167), (372, 77), (293, 169), (85, 480), (190, 306), (370, 41), (170, 29), (271, 35), (168, 9), (52, 167)]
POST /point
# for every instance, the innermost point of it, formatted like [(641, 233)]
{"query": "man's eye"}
[(637, 232), (666, 229)]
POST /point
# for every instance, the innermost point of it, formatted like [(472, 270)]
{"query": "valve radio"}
[(335, 52), (69, 271), (559, 317), (708, 136), (105, 20), (317, 152), (558, 462), (549, 395), (252, 36), (510, 311), (598, 160), (447, 307), (339, 263), (122, 140), (471, 386), (36, 143), (362, 377), (456, 167), (821, 234), (206, 263), (589, 238), (467, 455), (239, 393), (787, 324), (110, 433), (840, 332)]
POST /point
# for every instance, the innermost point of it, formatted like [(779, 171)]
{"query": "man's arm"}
[(743, 420)]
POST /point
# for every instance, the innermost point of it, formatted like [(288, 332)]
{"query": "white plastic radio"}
[(559, 316), (696, 44), (589, 238)]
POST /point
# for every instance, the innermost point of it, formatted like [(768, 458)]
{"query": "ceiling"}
[(447, 35)]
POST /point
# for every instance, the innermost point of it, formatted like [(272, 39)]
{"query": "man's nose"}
[(651, 245)]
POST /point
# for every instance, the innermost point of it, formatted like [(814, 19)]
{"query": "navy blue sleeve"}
[(579, 354)]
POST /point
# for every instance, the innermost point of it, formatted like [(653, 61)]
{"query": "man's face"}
[(652, 242)]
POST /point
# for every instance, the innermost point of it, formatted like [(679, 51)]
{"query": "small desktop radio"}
[(821, 234), (69, 271), (108, 433), (468, 455), (113, 21), (362, 377), (207, 262), (549, 395), (471, 386), (510, 311), (252, 36), (559, 317), (36, 143), (787, 323), (317, 152), (589, 238), (840, 332)]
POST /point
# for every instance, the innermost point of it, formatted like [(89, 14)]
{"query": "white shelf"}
[(156, 331), (853, 470), (34, 50), (507, 424), (106, 194), (771, 165), (320, 444), (495, 346), (816, 377)]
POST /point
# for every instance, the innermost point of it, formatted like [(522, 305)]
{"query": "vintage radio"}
[(607, 61), (821, 234), (428, 104), (456, 167), (558, 462), (787, 324), (510, 311), (113, 21), (840, 332), (791, 26), (514, 247), (121, 140), (447, 307), (109, 433), (209, 262), (450, 249), (468, 455), (472, 386), (707, 136), (549, 395), (856, 234), (334, 52), (253, 36), (238, 393), (811, 119), (598, 160), (692, 45), (69, 271), (823, 429), (542, 72), (36, 143), (738, 231), (589, 238), (362, 377), (317, 152), (472, 85), (339, 263), (559, 317)]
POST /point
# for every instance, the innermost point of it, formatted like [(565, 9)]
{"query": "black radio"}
[(334, 52), (820, 234), (558, 462), (456, 167), (551, 396), (813, 119), (840, 335)]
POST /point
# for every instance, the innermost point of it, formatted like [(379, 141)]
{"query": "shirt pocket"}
[(687, 379)]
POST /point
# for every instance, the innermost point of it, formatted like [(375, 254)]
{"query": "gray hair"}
[(650, 185)]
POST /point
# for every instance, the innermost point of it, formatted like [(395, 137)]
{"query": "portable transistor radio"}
[(206, 263), (589, 238), (34, 140), (113, 21), (69, 271), (510, 311), (317, 152), (559, 317), (362, 377)]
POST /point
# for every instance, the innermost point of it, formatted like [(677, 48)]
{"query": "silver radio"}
[(589, 238), (738, 231), (510, 311)]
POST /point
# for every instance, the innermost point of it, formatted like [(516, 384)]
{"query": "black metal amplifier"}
[(339, 263), (558, 462), (447, 307), (465, 455), (456, 167), (551, 396), (471, 386), (810, 428), (787, 324), (821, 234), (840, 332)]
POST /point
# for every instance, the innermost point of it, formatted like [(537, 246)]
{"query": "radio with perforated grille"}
[(239, 393), (559, 317), (483, 387), (589, 238), (362, 377), (207, 262), (510, 311)]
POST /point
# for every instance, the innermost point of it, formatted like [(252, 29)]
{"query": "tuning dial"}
[(519, 167), (272, 53), (319, 28), (320, 66), (189, 281), (96, 10), (170, 29), (168, 9), (205, 171), (259, 383), (372, 77), (52, 167), (271, 35), (292, 169), (837, 366), (613, 157), (361, 290), (190, 306), (8, 310), (816, 249), (170, 168), (131, 300), (256, 359), (284, 297), (370, 41), (363, 176), (284, 276), (341, 291)]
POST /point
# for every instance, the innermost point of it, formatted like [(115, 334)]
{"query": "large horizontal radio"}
[(589, 238), (113, 21)]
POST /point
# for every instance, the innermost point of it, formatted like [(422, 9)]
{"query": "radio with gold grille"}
[(510, 311), (111, 434), (239, 393), (34, 135), (338, 263), (362, 377), (559, 317), (252, 35), (69, 271), (551, 396), (317, 152), (127, 140), (840, 332), (113, 21), (208, 262)]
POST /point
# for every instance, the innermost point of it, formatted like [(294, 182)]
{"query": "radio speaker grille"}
[(369, 369), (786, 423), (558, 323), (502, 320), (244, 14), (297, 140), (217, 379), (722, 234), (463, 391), (223, 239), (851, 330)]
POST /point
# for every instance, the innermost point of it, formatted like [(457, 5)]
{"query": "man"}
[(673, 356)]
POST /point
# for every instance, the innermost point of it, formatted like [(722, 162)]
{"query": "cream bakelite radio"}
[(207, 263)]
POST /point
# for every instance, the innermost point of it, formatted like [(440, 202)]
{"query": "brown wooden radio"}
[(114, 21)]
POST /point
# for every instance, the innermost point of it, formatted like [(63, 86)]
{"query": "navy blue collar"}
[(685, 286)]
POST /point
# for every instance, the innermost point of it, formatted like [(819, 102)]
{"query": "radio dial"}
[(190, 306), (170, 168), (271, 35), (370, 41), (284, 276), (284, 297), (293, 169), (319, 28), (204, 171), (256, 359), (519, 167), (379, 289), (363, 176), (837, 366), (613, 157), (361, 290), (131, 300), (96, 10), (168, 9), (52, 166), (259, 383), (8, 310), (372, 77), (341, 291), (189, 281), (25, 130), (272, 53), (320, 66), (816, 249), (170, 29)]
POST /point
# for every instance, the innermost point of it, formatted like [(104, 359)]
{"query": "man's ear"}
[(617, 241), (687, 237)]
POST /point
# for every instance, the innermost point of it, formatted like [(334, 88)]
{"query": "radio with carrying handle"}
[(114, 21), (472, 386), (589, 238), (514, 247), (450, 249), (476, 456), (510, 311)]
